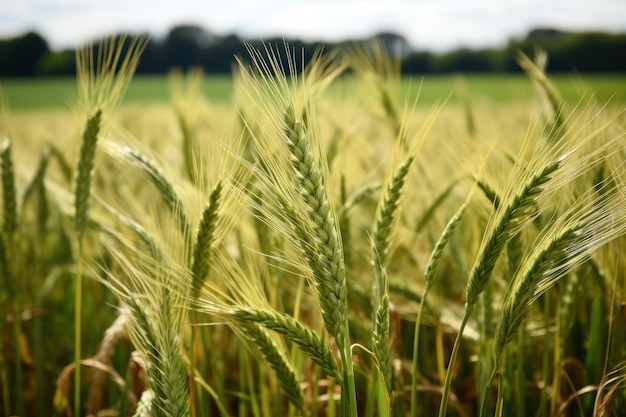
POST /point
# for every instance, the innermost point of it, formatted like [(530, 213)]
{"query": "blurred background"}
[(38, 37)]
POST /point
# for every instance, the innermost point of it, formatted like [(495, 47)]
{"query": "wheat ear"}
[(290, 158), (4, 268), (387, 213), (144, 406), (277, 361), (309, 341), (518, 211), (9, 195), (329, 265), (160, 345), (381, 336), (330, 279), (434, 205), (536, 71), (37, 186), (147, 294), (205, 240), (84, 171), (82, 190), (432, 266), (155, 290), (386, 218), (63, 164), (163, 184), (565, 245), (510, 217), (359, 196)]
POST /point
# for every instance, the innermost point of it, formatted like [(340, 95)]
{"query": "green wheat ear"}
[(147, 287), (101, 84), (9, 195), (554, 109), (205, 244), (309, 341), (510, 219), (84, 171), (159, 179), (591, 222), (386, 219), (329, 267), (278, 362)]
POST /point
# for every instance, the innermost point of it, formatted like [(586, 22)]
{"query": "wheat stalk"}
[(103, 356), (430, 275)]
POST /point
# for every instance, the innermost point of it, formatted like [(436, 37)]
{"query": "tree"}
[(183, 45), (418, 63), (20, 56)]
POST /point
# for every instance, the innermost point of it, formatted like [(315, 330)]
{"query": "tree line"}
[(187, 46)]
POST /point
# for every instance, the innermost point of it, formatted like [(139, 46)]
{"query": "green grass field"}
[(504, 88)]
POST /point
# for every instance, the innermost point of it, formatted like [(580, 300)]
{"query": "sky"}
[(436, 25)]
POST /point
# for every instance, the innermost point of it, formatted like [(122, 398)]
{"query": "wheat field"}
[(310, 251)]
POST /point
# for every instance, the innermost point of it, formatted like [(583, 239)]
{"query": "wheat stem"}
[(383, 229), (430, 274), (443, 407), (84, 173), (78, 306)]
